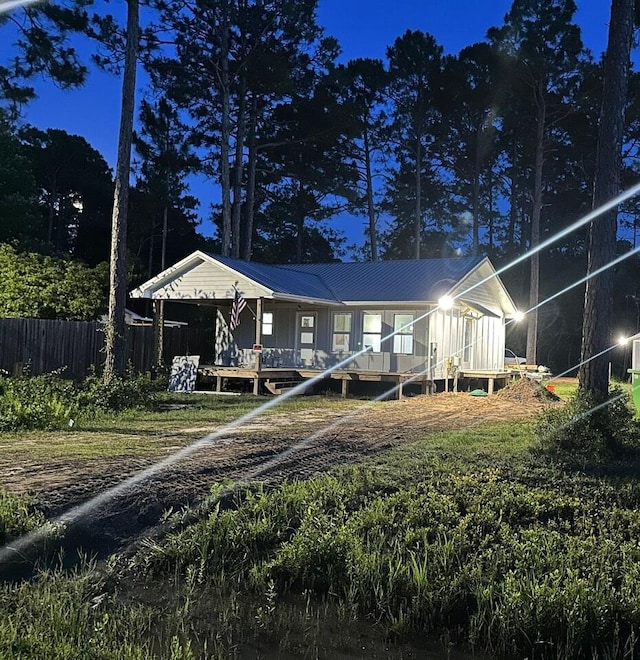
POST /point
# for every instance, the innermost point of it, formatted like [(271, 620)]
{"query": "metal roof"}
[(371, 281), (280, 279)]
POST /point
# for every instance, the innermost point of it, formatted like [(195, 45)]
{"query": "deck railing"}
[(279, 358)]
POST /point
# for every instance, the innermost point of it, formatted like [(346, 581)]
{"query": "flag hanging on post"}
[(239, 303)]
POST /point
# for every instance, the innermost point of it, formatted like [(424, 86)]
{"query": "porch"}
[(281, 379), (277, 380)]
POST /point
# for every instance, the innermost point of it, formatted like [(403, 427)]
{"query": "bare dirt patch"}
[(283, 445)]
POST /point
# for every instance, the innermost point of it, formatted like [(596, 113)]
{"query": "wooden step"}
[(280, 386)]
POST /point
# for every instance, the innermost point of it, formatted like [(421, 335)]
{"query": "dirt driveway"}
[(293, 444)]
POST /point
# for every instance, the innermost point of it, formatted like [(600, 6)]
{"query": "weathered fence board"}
[(43, 345)]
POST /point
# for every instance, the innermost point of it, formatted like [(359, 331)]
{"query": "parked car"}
[(511, 359)]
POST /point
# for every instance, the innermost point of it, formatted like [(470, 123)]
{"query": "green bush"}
[(50, 402), (584, 431), (41, 402), (130, 391)]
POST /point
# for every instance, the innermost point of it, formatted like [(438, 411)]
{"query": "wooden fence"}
[(39, 346)]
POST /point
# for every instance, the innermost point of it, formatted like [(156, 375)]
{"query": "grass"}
[(58, 616), (17, 516), (565, 388), (466, 536), (150, 432)]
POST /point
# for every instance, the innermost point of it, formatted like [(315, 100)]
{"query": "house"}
[(429, 320)]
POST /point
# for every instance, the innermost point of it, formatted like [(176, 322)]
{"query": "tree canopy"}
[(41, 286), (487, 151)]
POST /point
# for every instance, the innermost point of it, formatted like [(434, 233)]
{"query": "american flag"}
[(239, 303)]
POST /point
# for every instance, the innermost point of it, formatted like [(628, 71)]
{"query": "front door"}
[(307, 326)]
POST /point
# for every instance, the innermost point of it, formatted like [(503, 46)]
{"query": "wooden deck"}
[(280, 379)]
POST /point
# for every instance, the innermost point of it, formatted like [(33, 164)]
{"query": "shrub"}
[(129, 391), (48, 402), (585, 431), (41, 402)]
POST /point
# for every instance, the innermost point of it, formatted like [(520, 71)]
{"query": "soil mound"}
[(525, 389)]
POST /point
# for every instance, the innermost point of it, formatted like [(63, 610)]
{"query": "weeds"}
[(17, 516), (50, 402), (466, 536), (522, 560)]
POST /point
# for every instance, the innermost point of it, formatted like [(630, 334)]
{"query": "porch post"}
[(158, 335), (258, 356)]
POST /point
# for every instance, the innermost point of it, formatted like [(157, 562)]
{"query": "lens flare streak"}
[(8, 5)]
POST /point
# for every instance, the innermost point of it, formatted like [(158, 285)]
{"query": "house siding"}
[(207, 281), (438, 335)]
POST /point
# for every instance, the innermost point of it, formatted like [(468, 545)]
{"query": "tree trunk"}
[(475, 247), (596, 329), (158, 312), (373, 237), (251, 179), (417, 226), (299, 223), (513, 200), (225, 137), (115, 345), (52, 212), (534, 286), (239, 172)]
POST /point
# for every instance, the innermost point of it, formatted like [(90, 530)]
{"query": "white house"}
[(428, 319)]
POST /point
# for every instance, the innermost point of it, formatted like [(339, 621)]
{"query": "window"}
[(403, 333), (372, 331), (267, 323), (341, 333)]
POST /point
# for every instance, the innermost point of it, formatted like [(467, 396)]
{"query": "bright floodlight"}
[(446, 302), (518, 316), (623, 341)]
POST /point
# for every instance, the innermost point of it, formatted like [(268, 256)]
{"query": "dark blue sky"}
[(364, 28)]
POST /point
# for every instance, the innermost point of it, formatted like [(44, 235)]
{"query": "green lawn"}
[(467, 537)]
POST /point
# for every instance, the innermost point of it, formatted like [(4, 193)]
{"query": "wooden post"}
[(345, 388), (400, 383), (258, 356), (158, 335), (218, 383)]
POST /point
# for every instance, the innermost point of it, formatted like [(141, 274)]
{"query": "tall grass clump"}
[(57, 616), (17, 516), (585, 431)]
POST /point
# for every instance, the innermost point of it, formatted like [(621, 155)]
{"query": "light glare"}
[(8, 5)]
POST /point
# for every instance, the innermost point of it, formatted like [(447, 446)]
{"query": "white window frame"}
[(341, 333), (374, 347), (267, 325), (403, 333)]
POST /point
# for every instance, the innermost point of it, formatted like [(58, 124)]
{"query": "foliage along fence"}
[(37, 346)]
